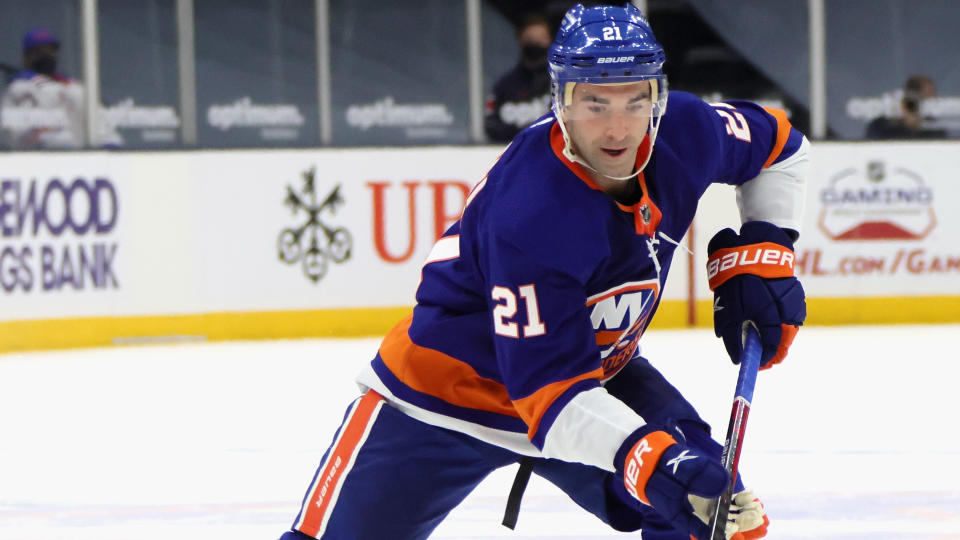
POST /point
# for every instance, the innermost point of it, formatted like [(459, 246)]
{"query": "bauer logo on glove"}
[(751, 275), (661, 470), (767, 260)]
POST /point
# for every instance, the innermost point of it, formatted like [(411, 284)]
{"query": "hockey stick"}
[(749, 364)]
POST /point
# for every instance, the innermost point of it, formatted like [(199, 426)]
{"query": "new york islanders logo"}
[(619, 316)]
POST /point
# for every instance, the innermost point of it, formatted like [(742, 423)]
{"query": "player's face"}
[(607, 122)]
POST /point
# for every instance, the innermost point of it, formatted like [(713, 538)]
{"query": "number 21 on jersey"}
[(736, 123), (506, 309)]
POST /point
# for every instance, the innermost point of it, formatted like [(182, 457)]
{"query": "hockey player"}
[(523, 345)]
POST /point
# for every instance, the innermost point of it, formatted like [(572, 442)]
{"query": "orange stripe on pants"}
[(327, 485)]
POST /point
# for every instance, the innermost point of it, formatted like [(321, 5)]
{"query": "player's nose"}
[(616, 128)]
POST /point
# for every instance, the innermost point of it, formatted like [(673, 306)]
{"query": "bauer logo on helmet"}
[(615, 59)]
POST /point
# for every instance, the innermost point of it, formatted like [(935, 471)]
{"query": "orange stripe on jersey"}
[(434, 373), (765, 259), (557, 144), (646, 213), (533, 407), (607, 337), (651, 284), (783, 132), (326, 486)]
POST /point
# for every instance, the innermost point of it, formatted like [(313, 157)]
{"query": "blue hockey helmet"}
[(606, 45)]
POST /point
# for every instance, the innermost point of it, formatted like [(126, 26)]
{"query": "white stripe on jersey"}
[(623, 287), (516, 442), (778, 193), (445, 249), (473, 193), (542, 122), (590, 429)]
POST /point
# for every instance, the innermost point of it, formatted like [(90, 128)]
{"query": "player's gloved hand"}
[(751, 276), (661, 471), (746, 520)]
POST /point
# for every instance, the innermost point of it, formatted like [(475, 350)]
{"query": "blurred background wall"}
[(214, 129)]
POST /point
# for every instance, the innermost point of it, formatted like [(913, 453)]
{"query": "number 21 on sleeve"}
[(735, 122), (506, 309)]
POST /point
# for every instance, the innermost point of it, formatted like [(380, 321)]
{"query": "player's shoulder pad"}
[(688, 115), (535, 204), (689, 129)]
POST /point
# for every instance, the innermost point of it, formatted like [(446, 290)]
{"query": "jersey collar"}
[(646, 214)]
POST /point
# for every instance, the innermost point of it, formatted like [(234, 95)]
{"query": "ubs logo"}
[(314, 243)]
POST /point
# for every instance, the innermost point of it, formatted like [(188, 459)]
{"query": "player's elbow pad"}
[(777, 194)]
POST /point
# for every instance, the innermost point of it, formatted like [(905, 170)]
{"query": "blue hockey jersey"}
[(543, 288)]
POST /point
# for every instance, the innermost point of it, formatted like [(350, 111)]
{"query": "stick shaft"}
[(736, 429)]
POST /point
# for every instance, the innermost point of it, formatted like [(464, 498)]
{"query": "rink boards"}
[(100, 248)]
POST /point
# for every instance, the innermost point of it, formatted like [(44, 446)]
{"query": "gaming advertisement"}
[(880, 221), (877, 222)]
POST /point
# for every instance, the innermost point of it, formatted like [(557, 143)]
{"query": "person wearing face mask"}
[(522, 94), (912, 123), (42, 108)]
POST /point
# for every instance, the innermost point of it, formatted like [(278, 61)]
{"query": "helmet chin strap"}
[(568, 149)]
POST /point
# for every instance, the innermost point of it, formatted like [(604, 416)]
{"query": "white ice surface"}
[(854, 437)]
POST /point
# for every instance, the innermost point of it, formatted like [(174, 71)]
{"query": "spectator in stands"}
[(42, 108), (912, 124), (522, 94)]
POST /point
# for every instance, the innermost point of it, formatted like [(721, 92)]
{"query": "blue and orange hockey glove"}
[(751, 276), (660, 470)]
